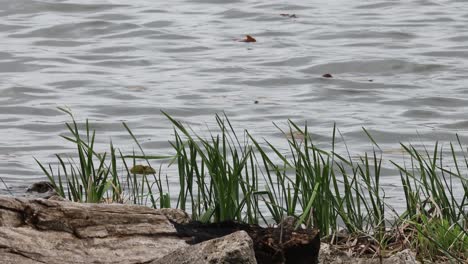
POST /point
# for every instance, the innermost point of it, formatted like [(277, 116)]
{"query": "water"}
[(399, 67)]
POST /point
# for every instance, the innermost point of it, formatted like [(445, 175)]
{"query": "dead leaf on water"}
[(142, 169), (295, 135), (399, 150), (136, 88), (248, 38)]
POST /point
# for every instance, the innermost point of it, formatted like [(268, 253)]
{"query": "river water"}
[(399, 69)]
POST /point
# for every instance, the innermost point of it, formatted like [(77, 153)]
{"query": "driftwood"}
[(48, 231), (37, 230), (55, 231)]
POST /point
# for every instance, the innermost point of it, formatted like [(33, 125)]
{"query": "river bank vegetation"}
[(227, 176)]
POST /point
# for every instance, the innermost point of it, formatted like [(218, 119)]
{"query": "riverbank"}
[(223, 178)]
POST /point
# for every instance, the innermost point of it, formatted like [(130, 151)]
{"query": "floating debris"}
[(297, 135), (256, 102), (289, 15), (248, 38), (136, 88), (142, 169), (327, 75), (42, 189)]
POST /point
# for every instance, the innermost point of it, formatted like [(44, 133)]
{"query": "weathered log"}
[(48, 231), (36, 230)]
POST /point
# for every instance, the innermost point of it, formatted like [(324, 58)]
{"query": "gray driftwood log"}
[(51, 231)]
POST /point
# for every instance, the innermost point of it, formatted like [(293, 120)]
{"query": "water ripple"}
[(398, 67)]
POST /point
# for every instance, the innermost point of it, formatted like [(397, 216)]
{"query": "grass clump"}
[(224, 178), (101, 177), (432, 207), (217, 176)]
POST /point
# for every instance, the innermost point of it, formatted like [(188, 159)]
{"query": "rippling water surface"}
[(399, 67)]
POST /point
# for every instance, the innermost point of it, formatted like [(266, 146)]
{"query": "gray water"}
[(399, 69)]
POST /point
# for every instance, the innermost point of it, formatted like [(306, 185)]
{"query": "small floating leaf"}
[(142, 169), (248, 38)]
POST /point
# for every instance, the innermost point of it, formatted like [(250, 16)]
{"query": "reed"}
[(6, 186), (432, 207), (95, 177), (217, 176), (222, 177)]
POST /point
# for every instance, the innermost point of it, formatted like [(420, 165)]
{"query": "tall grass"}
[(222, 177), (217, 176), (95, 177), (431, 204)]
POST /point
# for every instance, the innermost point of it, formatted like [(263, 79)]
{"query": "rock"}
[(402, 257), (328, 254), (272, 245), (42, 189), (231, 249), (51, 231)]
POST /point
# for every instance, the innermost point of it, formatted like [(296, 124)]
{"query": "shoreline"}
[(222, 180), (37, 229)]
